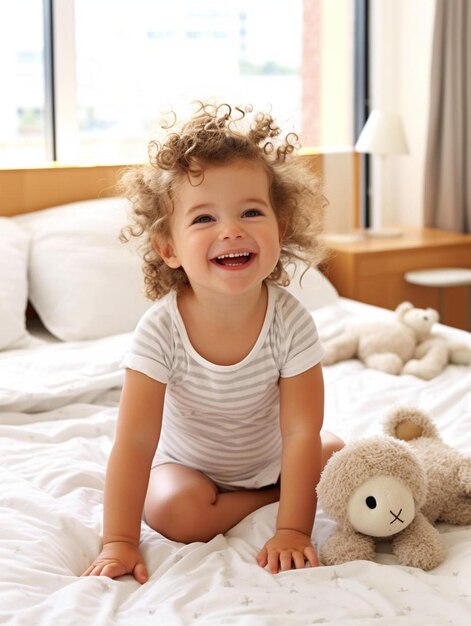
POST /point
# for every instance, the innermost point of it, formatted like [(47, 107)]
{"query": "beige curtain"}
[(448, 157)]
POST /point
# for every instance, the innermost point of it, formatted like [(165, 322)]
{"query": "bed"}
[(60, 382)]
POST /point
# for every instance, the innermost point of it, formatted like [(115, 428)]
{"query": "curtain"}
[(448, 157)]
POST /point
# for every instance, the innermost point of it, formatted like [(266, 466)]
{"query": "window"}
[(118, 67), (22, 103), (131, 67)]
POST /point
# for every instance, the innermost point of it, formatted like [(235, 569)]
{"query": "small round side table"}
[(442, 278)]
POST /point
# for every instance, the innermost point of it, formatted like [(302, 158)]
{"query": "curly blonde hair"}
[(213, 136)]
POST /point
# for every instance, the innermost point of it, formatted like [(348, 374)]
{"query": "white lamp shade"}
[(383, 133)]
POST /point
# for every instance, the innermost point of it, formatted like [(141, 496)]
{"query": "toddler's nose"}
[(231, 230)]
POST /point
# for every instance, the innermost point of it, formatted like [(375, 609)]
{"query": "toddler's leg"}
[(185, 505), (330, 444)]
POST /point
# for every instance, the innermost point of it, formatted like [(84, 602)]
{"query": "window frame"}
[(49, 92), (362, 105)]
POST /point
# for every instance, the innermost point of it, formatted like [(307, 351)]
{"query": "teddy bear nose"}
[(396, 518)]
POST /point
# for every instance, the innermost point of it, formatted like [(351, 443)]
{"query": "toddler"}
[(222, 404)]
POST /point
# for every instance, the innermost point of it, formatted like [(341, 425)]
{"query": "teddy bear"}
[(374, 489), (448, 471), (404, 345)]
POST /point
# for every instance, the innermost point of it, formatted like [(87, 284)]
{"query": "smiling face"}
[(224, 232)]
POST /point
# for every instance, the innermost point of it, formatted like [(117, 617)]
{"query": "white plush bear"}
[(404, 345)]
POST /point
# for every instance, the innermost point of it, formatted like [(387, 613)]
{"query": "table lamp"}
[(382, 136)]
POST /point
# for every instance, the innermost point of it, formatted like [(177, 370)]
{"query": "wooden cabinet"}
[(372, 269)]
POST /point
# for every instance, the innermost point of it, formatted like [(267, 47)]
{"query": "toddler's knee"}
[(337, 443), (180, 517), (330, 444)]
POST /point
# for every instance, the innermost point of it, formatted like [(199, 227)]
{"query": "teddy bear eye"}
[(370, 502)]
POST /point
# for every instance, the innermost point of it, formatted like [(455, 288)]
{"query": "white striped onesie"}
[(224, 419)]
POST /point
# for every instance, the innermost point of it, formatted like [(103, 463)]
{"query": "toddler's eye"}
[(252, 213), (202, 219)]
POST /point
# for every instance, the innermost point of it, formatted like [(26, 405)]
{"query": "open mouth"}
[(234, 259)]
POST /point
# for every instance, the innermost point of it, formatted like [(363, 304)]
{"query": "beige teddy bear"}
[(448, 471), (374, 489), (404, 345)]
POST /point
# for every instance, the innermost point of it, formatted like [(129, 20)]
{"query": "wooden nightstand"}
[(372, 270)]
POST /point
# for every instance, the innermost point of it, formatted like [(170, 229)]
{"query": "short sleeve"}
[(303, 346), (151, 346)]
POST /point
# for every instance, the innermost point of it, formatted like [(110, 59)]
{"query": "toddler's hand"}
[(118, 558), (287, 549)]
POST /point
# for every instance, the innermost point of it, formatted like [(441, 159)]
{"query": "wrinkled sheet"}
[(58, 406)]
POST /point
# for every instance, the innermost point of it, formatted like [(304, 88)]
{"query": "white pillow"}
[(13, 282), (315, 290), (84, 283)]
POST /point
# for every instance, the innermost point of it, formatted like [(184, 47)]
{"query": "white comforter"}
[(57, 416)]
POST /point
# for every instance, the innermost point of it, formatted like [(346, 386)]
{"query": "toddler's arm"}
[(127, 477), (301, 416)]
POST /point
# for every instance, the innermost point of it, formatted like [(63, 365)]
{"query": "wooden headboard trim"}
[(27, 190)]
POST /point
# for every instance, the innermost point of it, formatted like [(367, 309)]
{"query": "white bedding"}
[(58, 405)]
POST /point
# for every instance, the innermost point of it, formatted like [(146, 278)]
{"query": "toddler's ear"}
[(165, 249), (282, 226)]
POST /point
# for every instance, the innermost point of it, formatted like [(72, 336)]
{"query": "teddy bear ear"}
[(402, 309), (433, 314)]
